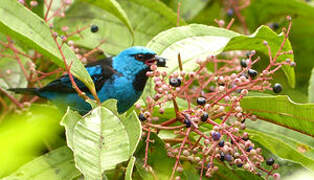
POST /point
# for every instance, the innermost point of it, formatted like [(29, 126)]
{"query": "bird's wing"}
[(100, 71)]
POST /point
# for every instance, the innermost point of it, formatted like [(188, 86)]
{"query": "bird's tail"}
[(33, 91)]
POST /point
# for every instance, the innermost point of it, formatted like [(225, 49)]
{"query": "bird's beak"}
[(160, 61)]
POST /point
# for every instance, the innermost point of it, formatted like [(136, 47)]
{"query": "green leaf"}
[(100, 140), (39, 9), (129, 169), (224, 172), (282, 111), (311, 88), (275, 11), (255, 42), (113, 7), (285, 164), (130, 122), (192, 42), (280, 148), (141, 13), (302, 143), (33, 31), (197, 41), (11, 74), (55, 165), (157, 159), (213, 10), (81, 14), (186, 12), (149, 18), (26, 135)]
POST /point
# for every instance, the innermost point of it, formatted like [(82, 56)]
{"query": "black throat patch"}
[(140, 80)]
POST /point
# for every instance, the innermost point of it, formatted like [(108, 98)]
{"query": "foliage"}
[(41, 40)]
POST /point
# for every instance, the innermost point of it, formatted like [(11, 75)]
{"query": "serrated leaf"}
[(282, 111), (33, 31), (311, 88), (101, 139), (113, 7), (255, 42), (55, 165), (129, 169), (280, 148)]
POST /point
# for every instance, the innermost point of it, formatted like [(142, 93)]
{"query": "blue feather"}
[(122, 78)]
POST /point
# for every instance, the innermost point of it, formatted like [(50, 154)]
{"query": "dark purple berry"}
[(230, 12), (94, 28), (204, 117), (209, 165), (221, 143), (277, 88), (240, 165), (249, 149), (243, 63), (228, 157), (201, 101), (222, 156), (141, 117), (252, 73), (161, 62), (270, 161), (187, 122), (274, 26), (248, 54), (216, 136), (238, 90), (175, 82)]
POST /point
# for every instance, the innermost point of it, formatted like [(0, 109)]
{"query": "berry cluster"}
[(211, 128)]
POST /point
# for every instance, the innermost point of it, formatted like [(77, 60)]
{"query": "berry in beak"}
[(161, 62)]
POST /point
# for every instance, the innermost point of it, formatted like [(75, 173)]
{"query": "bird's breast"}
[(119, 88)]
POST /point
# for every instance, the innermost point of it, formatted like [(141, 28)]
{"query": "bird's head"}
[(136, 59)]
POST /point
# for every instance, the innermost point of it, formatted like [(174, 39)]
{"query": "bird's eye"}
[(139, 57)]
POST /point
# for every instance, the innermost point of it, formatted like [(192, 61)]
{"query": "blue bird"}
[(122, 77)]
